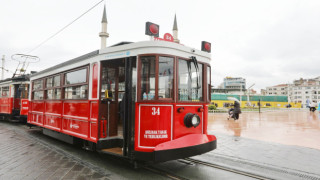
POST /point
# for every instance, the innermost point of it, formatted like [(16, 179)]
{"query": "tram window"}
[(38, 84), (54, 94), (56, 81), (76, 77), (190, 81), (5, 91), (76, 92), (108, 83), (49, 82), (148, 78), (165, 83), (24, 91), (209, 82), (38, 95)]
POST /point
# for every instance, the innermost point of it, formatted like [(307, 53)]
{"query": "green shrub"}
[(212, 107)]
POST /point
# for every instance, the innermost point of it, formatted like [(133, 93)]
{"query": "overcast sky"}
[(267, 42)]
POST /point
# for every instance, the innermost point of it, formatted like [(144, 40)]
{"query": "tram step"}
[(110, 142), (116, 150)]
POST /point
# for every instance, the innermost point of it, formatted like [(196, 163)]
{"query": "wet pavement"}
[(279, 145), (301, 127), (24, 158), (275, 145), (28, 154)]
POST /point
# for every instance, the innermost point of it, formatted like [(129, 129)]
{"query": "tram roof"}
[(127, 49), (21, 78)]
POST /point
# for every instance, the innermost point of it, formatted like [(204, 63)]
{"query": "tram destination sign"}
[(166, 37)]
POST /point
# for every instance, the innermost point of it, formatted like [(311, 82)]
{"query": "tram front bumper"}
[(183, 147)]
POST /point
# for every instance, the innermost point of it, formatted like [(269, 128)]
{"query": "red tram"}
[(147, 101), (14, 101)]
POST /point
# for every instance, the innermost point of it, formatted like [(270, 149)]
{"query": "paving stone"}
[(24, 158)]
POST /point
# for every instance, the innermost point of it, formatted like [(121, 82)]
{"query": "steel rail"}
[(164, 173), (226, 169)]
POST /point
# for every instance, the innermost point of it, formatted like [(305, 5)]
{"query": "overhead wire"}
[(64, 28)]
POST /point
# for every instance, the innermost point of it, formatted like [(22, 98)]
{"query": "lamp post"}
[(248, 92)]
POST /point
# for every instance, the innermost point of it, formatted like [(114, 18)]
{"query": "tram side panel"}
[(75, 117), (6, 105)]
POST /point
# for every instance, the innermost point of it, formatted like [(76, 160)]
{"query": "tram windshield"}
[(190, 81), (157, 79)]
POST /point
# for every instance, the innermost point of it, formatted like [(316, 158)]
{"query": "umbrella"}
[(232, 99)]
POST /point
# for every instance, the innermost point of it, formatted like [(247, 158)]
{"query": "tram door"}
[(112, 91), (118, 93)]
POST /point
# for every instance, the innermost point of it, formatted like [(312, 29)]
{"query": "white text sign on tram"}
[(155, 124)]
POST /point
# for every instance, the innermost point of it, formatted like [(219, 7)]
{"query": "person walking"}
[(236, 110), (313, 106)]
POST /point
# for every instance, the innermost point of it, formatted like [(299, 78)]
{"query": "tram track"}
[(255, 176), (165, 173)]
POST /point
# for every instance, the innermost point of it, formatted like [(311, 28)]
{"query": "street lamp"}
[(248, 92)]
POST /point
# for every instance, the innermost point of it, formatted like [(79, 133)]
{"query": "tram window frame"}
[(53, 87), (36, 91), (204, 96), (139, 79), (75, 85), (208, 67)]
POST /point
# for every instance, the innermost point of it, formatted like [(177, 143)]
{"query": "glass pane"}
[(75, 77), (24, 89), (56, 81), (165, 78), (108, 84), (148, 78), (38, 84), (38, 95), (209, 82), (76, 92), (190, 81), (49, 82), (5, 91), (54, 94)]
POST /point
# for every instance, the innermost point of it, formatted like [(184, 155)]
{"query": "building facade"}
[(301, 91)]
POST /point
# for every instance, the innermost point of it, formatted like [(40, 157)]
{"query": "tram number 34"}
[(155, 111)]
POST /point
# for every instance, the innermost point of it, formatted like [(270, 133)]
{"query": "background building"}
[(281, 89), (231, 85), (301, 91)]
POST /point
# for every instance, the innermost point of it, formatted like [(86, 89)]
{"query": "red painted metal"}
[(95, 80), (77, 118), (6, 105), (24, 107), (186, 141), (155, 120), (179, 127), (155, 124)]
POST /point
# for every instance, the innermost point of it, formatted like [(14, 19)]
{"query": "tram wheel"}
[(89, 146)]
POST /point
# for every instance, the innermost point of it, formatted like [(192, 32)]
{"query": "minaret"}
[(175, 30), (104, 35)]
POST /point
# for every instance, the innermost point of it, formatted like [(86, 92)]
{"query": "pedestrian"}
[(313, 106), (236, 110)]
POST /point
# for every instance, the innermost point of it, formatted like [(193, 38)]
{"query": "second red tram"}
[(147, 101), (14, 101)]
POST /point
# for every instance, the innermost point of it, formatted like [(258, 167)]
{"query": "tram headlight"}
[(191, 120)]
